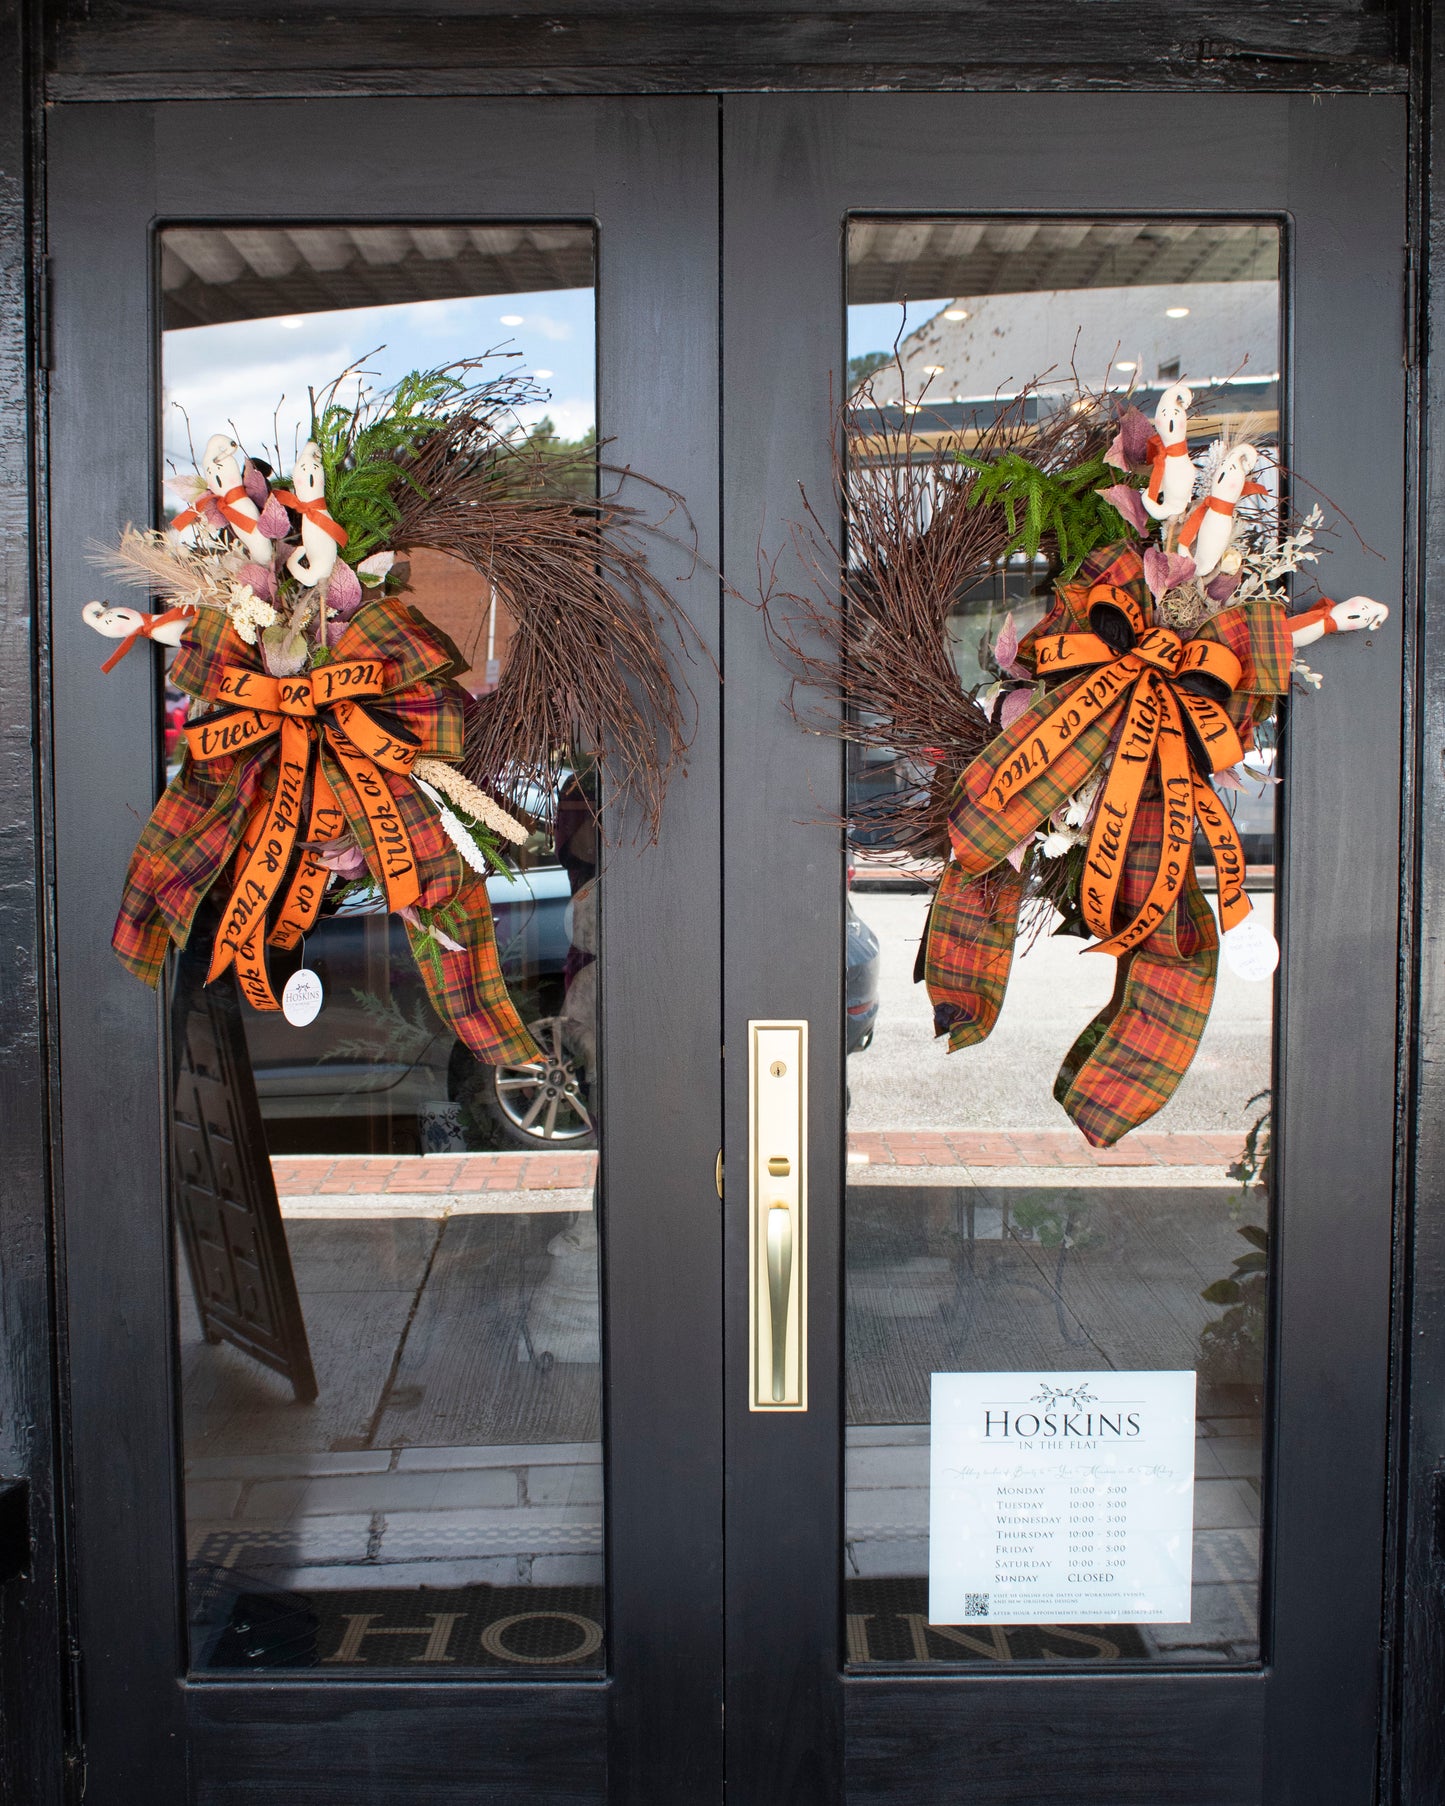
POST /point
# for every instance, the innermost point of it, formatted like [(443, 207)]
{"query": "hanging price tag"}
[(1250, 949), (301, 1000)]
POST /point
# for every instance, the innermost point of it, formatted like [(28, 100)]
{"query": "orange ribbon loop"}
[(315, 512), (299, 709)]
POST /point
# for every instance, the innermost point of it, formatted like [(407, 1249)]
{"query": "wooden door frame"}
[(646, 174), (1333, 170), (103, 55)]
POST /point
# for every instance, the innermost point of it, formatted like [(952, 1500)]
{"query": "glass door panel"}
[(389, 1315), (983, 1233)]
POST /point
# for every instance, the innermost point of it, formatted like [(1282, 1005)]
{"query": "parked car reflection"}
[(377, 1065)]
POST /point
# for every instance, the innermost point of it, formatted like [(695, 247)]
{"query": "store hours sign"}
[(1061, 1498)]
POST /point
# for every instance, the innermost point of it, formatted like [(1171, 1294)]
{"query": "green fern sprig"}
[(1064, 506), (366, 446)]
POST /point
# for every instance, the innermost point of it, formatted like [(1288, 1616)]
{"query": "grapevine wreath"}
[(1069, 787), (327, 741)]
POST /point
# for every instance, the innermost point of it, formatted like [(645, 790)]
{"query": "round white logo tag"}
[(1250, 950), (301, 1000)]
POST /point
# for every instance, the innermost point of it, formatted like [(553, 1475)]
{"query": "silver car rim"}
[(543, 1098)]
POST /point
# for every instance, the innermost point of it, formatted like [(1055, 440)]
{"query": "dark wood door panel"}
[(447, 1744), (1099, 1741)]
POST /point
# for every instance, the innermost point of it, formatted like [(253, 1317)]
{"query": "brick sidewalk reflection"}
[(315, 1175)]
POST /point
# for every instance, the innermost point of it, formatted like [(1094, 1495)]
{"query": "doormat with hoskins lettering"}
[(529, 1628), (239, 1622)]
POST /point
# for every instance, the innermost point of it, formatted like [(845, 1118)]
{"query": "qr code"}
[(975, 1605)]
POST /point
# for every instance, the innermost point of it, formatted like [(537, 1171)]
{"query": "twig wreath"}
[(328, 742), (1076, 779)]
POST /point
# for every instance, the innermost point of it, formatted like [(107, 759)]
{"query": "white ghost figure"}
[(315, 558), (121, 623), (221, 467), (1207, 532), (1359, 613), (1171, 481)]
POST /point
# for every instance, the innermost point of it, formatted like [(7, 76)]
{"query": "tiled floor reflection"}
[(453, 1454), (887, 1516)]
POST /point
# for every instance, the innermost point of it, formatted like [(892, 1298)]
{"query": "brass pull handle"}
[(780, 1279), (777, 1203)]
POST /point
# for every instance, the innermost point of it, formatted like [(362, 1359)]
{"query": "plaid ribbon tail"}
[(467, 989), (183, 850), (968, 950), (140, 938), (1128, 1062)]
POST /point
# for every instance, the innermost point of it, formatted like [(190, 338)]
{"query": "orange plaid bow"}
[(1156, 715)]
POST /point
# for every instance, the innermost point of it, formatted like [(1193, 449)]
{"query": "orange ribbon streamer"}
[(232, 515), (299, 709), (1156, 451), (146, 630), (1214, 504), (315, 512), (1165, 728)]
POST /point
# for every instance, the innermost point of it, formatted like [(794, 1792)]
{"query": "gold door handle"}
[(777, 1203), (780, 1280)]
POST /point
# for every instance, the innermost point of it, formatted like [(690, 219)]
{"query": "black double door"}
[(757, 1590)]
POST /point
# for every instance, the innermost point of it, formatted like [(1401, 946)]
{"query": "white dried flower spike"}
[(468, 798), (456, 830), (248, 612), (1055, 845)]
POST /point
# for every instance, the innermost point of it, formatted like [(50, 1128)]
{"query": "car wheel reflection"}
[(544, 1101)]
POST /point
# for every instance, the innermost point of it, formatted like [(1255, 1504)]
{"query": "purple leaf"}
[(275, 523), (1221, 587), (1124, 499), (262, 580), (1016, 857), (343, 591), (284, 651), (255, 485), (1015, 703), (1164, 571), (1006, 649), (343, 857), (1228, 779), (1130, 447)]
